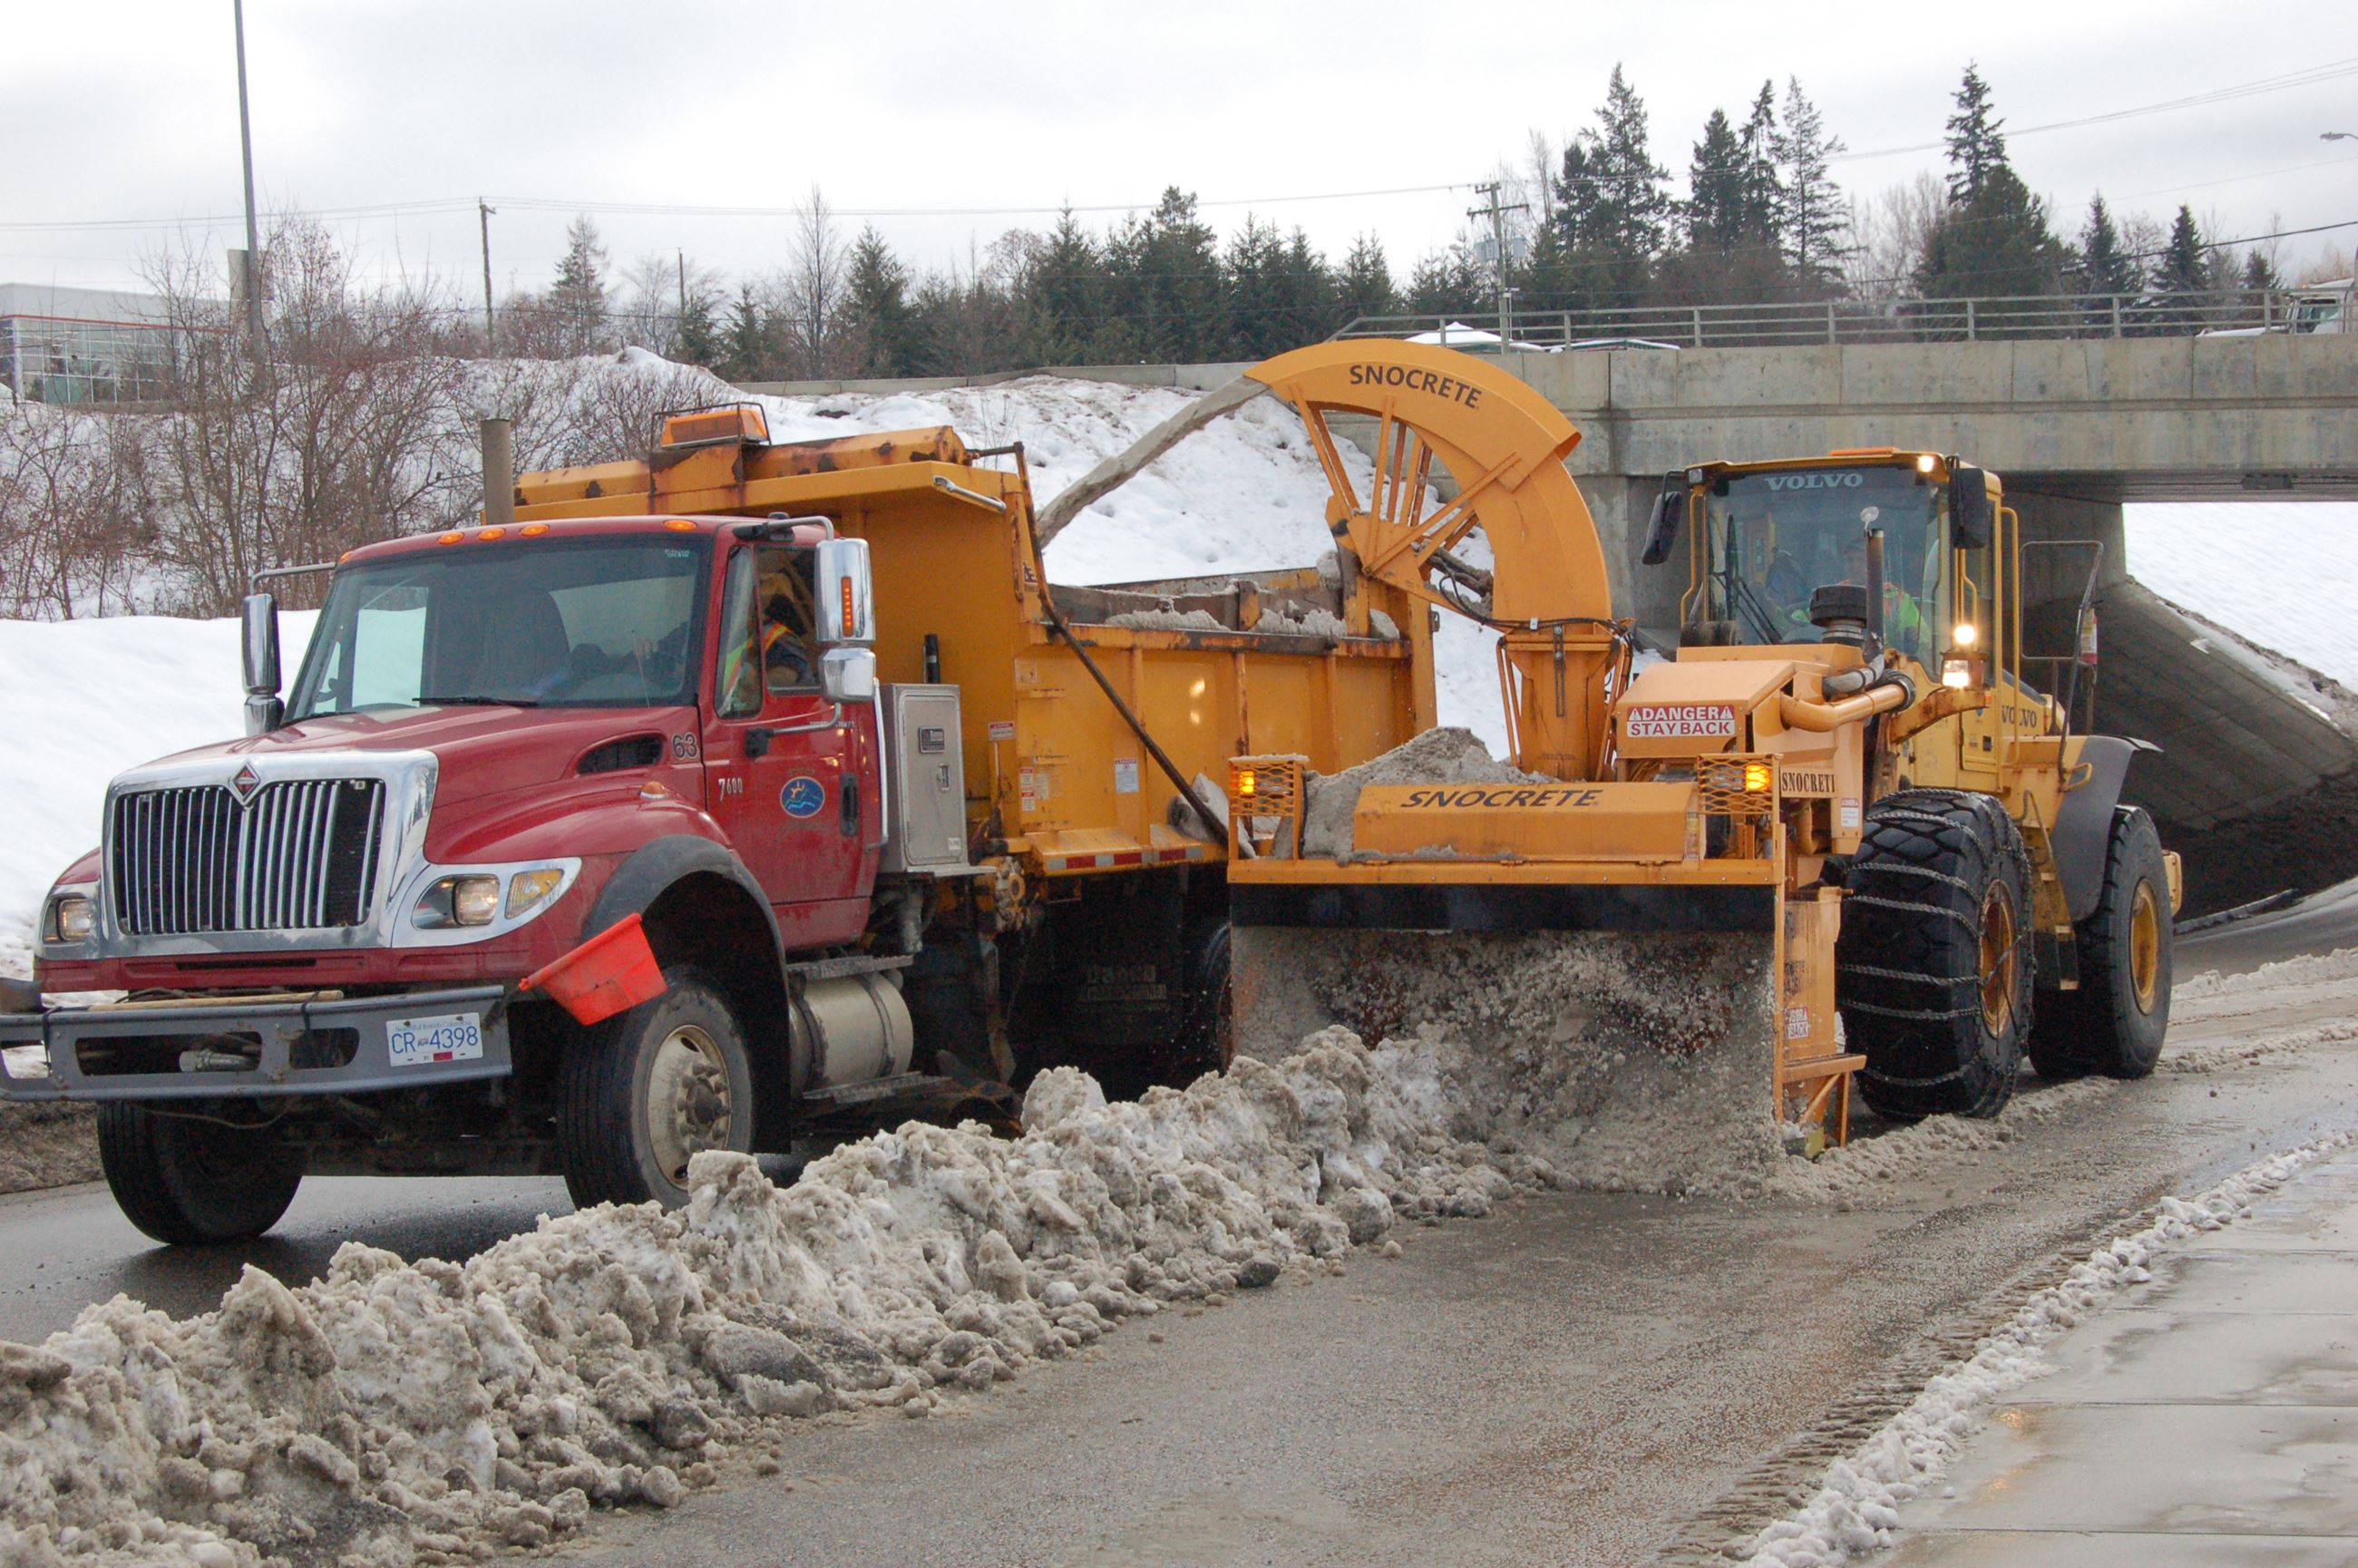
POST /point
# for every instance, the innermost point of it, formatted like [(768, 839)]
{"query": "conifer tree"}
[(1975, 147), (1993, 240), (2104, 266), (880, 323), (1764, 192), (1631, 206), (1812, 216), (1365, 287), (1255, 259), (1305, 296), (578, 298), (747, 350), (1612, 212), (1168, 281), (1448, 283), (2181, 268), (1717, 188), (699, 331), (1067, 303)]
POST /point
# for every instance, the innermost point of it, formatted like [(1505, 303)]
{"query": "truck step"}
[(852, 964), (840, 1095)]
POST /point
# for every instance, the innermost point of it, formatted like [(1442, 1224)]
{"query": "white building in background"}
[(83, 345)]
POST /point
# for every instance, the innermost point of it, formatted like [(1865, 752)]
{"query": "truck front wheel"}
[(187, 1181), (643, 1092)]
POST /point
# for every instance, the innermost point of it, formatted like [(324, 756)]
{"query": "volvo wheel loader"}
[(1837, 833)]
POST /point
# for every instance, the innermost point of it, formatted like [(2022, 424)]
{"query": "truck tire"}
[(641, 1092), (1933, 972), (187, 1182), (2114, 1024)]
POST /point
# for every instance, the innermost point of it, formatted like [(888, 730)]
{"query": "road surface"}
[(1581, 1379)]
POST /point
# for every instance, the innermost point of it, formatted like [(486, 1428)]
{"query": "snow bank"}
[(87, 699), (1855, 1508), (396, 1412), (2279, 575)]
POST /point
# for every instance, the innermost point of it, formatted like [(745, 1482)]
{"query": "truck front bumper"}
[(322, 1045)]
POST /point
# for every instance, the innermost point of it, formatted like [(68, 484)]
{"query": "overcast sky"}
[(129, 111)]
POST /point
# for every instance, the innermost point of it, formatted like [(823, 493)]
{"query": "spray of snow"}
[(1855, 1507)]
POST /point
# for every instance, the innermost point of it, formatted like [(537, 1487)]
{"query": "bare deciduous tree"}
[(811, 291), (71, 526), (1888, 234)]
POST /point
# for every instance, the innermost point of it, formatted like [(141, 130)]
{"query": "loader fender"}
[(2083, 822)]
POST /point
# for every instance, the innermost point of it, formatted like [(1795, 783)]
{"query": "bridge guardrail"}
[(1772, 324)]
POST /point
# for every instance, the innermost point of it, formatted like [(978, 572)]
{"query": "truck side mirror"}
[(848, 675), (1969, 507), (1670, 511), (847, 608), (259, 621)]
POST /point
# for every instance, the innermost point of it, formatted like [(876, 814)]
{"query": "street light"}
[(2338, 135)]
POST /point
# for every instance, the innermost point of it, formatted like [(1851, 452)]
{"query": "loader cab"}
[(1763, 539)]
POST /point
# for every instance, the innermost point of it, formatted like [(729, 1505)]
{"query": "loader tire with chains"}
[(1932, 974), (2115, 1021)]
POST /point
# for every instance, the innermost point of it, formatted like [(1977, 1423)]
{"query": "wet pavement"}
[(2207, 1417), (1576, 1381)]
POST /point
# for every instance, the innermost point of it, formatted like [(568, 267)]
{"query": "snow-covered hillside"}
[(88, 699), (2284, 577)]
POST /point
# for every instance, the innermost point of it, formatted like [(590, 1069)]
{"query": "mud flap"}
[(1630, 1059)]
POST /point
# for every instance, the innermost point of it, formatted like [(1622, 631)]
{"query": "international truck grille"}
[(300, 855)]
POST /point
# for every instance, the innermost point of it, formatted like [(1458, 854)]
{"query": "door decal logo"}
[(803, 796)]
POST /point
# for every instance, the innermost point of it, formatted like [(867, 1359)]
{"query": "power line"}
[(2308, 76), (2236, 179)]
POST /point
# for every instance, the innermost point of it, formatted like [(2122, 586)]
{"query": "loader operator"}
[(1789, 585), (1796, 544)]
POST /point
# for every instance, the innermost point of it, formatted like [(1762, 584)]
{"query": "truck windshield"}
[(1773, 539), (558, 623)]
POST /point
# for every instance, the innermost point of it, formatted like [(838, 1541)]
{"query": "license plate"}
[(420, 1042)]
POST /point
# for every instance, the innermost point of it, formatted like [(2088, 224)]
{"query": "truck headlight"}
[(528, 890), (458, 901), (72, 918)]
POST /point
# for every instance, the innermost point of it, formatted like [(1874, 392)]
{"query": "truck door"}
[(788, 777)]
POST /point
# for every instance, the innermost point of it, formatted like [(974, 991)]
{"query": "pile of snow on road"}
[(396, 1412)]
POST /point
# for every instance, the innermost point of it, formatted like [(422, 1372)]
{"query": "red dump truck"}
[(793, 734)]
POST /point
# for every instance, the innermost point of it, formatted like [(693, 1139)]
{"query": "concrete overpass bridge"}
[(2257, 782), (2075, 429)]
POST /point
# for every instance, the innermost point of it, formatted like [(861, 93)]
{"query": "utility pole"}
[(252, 231), (484, 211), (1498, 216)]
